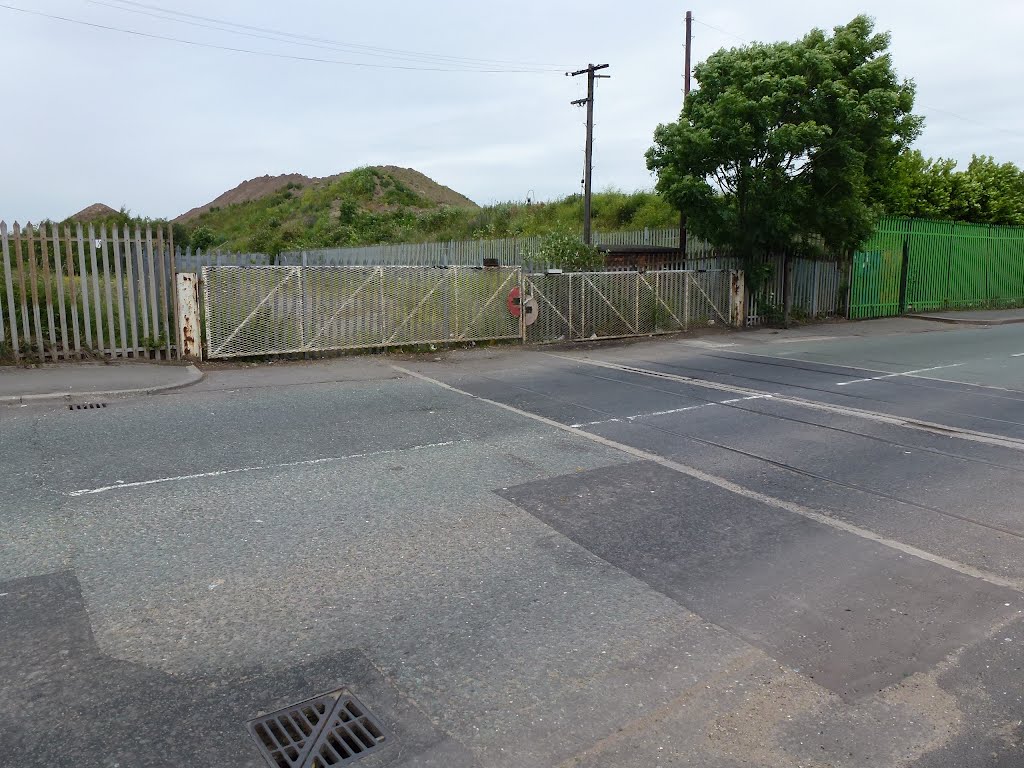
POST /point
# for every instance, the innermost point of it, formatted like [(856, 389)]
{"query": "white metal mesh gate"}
[(596, 305), (264, 310)]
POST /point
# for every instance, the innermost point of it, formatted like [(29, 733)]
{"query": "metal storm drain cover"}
[(333, 729)]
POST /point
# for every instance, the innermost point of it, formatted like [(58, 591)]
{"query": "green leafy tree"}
[(788, 144), (986, 192), (920, 187)]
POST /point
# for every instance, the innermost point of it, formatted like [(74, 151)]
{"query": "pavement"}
[(69, 381), (794, 548), (975, 317)]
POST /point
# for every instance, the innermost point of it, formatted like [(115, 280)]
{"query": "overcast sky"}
[(95, 115)]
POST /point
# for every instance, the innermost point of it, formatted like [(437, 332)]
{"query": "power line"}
[(972, 120), (269, 54), (360, 49), (723, 31)]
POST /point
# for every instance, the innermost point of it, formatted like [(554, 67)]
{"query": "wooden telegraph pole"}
[(588, 163)]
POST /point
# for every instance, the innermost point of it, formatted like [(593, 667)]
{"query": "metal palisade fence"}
[(508, 252), (917, 266), (85, 293)]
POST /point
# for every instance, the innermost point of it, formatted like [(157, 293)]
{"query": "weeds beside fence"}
[(77, 295)]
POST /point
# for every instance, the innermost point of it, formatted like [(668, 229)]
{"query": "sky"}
[(473, 94)]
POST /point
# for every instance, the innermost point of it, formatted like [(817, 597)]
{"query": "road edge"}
[(196, 375)]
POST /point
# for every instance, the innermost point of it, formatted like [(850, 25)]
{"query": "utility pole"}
[(588, 163), (686, 94)]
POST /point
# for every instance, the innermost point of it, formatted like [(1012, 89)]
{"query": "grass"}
[(368, 207)]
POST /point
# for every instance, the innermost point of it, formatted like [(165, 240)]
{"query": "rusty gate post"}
[(737, 298), (187, 297)]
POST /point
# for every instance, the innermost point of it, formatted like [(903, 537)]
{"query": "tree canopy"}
[(791, 143), (985, 192)]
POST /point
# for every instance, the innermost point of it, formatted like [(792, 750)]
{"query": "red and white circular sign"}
[(515, 304)]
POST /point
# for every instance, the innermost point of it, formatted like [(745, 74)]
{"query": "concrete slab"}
[(854, 616)]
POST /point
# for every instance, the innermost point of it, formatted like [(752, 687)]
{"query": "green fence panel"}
[(875, 278), (968, 267), (1006, 266), (929, 252), (950, 265)]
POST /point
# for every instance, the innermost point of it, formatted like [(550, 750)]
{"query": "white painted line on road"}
[(872, 370), (708, 344), (739, 490), (903, 373), (625, 419), (798, 340), (220, 472), (882, 418)]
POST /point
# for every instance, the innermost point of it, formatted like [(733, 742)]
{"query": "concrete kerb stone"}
[(194, 377), (952, 319)]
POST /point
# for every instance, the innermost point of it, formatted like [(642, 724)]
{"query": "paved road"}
[(747, 550)]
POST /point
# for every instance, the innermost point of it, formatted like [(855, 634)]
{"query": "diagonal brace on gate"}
[(537, 293), (612, 306), (714, 306), (657, 298), (486, 305), (412, 313), (345, 305), (293, 272)]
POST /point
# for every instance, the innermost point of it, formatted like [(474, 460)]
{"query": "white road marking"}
[(218, 473), (902, 373), (872, 370), (798, 339), (883, 418), (620, 419), (739, 490), (708, 344)]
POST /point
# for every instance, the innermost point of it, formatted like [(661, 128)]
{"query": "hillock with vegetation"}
[(370, 205), (375, 205)]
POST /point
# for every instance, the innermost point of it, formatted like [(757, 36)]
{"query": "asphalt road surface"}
[(744, 550)]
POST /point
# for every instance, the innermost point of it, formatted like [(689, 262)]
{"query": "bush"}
[(570, 253), (202, 238)]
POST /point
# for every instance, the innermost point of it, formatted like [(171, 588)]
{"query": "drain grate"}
[(329, 730), (85, 406)]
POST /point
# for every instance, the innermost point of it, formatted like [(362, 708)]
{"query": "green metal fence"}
[(912, 265)]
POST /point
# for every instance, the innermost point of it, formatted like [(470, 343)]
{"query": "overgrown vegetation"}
[(985, 192), (571, 254), (368, 206)]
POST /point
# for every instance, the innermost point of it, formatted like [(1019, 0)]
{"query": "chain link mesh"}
[(599, 305), (263, 310)]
